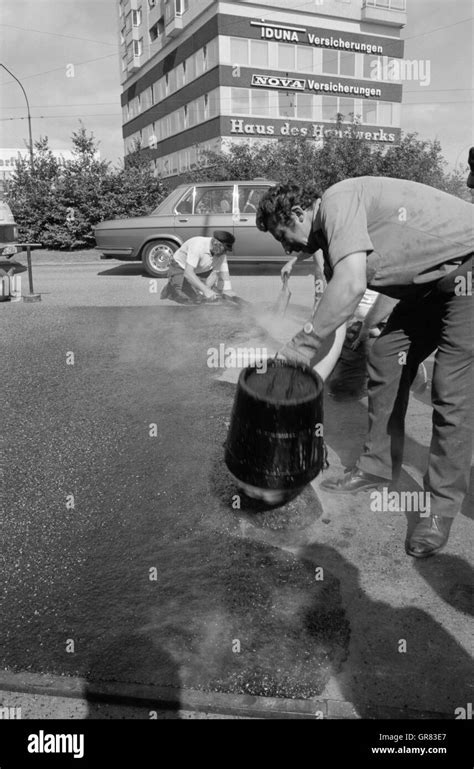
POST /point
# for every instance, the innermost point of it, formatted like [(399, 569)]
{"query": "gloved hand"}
[(304, 348)]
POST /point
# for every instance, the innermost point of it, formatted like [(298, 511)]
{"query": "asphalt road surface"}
[(128, 558)]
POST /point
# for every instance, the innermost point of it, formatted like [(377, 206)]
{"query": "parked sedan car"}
[(192, 209)]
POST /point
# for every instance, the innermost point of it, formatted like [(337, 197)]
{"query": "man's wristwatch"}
[(304, 347)]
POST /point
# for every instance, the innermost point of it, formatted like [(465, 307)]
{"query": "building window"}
[(304, 56), (330, 62), (305, 106), (371, 67), (181, 7), (384, 113), (181, 119), (191, 114), (286, 57), (347, 63), (369, 112), (213, 103), (157, 30), (174, 163), (137, 47), (346, 109), (239, 51), (260, 103), (329, 108), (259, 53), (382, 68), (190, 68), (180, 76), (136, 18), (167, 127), (146, 98), (199, 56), (212, 54), (171, 81), (286, 104), (200, 110), (160, 89), (239, 101)]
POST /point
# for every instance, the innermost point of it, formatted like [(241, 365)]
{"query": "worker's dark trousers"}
[(438, 318), (178, 282)]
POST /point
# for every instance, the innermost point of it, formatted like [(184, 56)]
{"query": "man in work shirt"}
[(197, 266), (413, 243)]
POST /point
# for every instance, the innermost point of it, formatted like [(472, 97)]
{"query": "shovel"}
[(281, 304), (237, 301)]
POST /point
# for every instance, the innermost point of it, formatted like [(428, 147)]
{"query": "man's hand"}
[(211, 279), (287, 268), (361, 337), (209, 294)]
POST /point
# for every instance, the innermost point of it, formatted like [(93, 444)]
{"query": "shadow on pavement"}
[(452, 578), (133, 268), (121, 660), (434, 673), (236, 269)]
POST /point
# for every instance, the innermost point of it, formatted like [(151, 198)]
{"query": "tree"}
[(343, 154), (58, 205)]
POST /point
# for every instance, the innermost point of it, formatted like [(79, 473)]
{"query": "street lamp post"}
[(29, 115)]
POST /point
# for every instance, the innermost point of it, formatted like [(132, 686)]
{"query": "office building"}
[(197, 74)]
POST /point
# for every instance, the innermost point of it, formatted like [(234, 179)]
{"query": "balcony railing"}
[(386, 5), (391, 12)]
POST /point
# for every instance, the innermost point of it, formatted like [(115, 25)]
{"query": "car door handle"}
[(243, 219), (182, 220)]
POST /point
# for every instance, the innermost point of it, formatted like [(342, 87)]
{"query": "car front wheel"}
[(156, 257)]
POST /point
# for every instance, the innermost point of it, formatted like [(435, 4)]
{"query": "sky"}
[(41, 39)]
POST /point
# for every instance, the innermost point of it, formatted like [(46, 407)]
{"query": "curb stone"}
[(191, 700)]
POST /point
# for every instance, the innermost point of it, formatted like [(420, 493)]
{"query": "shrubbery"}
[(302, 160), (58, 205)]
